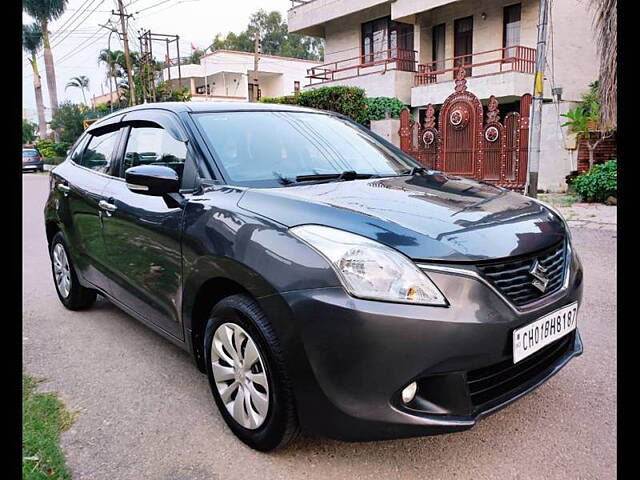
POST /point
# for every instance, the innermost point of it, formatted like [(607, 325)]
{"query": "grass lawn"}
[(43, 419)]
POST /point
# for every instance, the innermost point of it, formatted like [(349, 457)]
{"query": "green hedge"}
[(349, 101), (377, 107), (599, 183)]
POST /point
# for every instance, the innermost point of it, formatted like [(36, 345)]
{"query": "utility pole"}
[(256, 58), (132, 87), (536, 110)]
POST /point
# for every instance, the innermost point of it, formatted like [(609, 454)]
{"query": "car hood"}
[(427, 217)]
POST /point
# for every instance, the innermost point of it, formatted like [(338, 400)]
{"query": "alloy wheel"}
[(240, 375), (61, 270)]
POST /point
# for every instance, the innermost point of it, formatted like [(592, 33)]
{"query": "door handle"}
[(65, 189), (109, 207)]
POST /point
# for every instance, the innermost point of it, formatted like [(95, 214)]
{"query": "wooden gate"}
[(466, 144)]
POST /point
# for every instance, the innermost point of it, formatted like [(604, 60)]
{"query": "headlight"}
[(369, 269)]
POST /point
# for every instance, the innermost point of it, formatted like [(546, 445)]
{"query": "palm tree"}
[(44, 11), (606, 26), (114, 60), (31, 42), (81, 82)]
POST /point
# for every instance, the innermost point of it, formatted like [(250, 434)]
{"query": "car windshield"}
[(273, 148), (29, 153)]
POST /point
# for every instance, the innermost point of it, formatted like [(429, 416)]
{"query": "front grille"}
[(488, 384), (513, 280)]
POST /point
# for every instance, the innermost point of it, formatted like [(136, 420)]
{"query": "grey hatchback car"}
[(324, 281), (32, 160)]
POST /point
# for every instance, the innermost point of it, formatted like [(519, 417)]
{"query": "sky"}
[(77, 38)]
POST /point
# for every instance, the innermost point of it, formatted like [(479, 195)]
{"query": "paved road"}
[(144, 411)]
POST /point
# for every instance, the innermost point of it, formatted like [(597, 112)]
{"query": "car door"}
[(143, 233), (80, 185)]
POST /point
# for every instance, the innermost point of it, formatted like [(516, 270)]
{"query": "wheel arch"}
[(51, 228), (211, 281)]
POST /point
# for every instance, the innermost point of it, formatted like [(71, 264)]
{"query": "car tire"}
[(242, 316), (72, 295)]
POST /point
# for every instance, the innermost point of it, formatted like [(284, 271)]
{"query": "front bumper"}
[(350, 358)]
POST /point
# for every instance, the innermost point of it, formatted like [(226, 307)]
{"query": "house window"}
[(384, 38), (296, 86), (463, 43), (511, 30), (437, 50)]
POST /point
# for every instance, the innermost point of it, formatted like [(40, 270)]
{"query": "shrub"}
[(287, 99), (349, 101), (54, 160), (51, 150), (599, 183), (378, 106)]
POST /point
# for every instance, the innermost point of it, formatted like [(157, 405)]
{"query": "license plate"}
[(529, 339)]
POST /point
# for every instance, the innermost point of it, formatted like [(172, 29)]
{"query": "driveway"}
[(144, 411)]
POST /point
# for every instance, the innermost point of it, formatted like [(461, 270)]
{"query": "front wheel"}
[(247, 375), (72, 295)]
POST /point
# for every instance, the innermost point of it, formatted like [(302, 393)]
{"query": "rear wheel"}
[(72, 295), (247, 375)]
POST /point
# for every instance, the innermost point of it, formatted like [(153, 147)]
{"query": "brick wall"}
[(606, 150)]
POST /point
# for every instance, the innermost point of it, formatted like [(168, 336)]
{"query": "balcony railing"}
[(509, 59), (370, 63)]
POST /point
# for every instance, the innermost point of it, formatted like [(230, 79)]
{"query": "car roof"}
[(213, 107)]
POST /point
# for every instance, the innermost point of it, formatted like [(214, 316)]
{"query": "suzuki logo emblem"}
[(539, 273)]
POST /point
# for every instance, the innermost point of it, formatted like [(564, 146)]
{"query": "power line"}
[(152, 6), (81, 22), (75, 52), (74, 15)]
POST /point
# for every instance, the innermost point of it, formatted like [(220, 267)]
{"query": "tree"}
[(194, 58), (44, 11), (68, 119), (606, 26), (275, 38), (31, 42), (114, 59), (584, 121), (164, 93), (81, 82), (29, 131)]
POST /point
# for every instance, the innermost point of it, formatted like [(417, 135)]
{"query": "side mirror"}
[(154, 180)]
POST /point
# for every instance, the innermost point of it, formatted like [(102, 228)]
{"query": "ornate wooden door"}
[(460, 124)]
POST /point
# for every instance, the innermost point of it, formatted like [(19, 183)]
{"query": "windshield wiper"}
[(415, 170), (346, 175)]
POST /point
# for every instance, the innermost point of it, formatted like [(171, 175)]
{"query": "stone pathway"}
[(584, 215)]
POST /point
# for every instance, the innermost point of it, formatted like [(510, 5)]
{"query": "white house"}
[(228, 75), (410, 49)]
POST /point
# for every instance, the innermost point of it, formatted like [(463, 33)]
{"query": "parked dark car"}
[(324, 281), (32, 160)]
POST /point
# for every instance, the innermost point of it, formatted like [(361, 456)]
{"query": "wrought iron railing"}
[(516, 58), (367, 64)]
